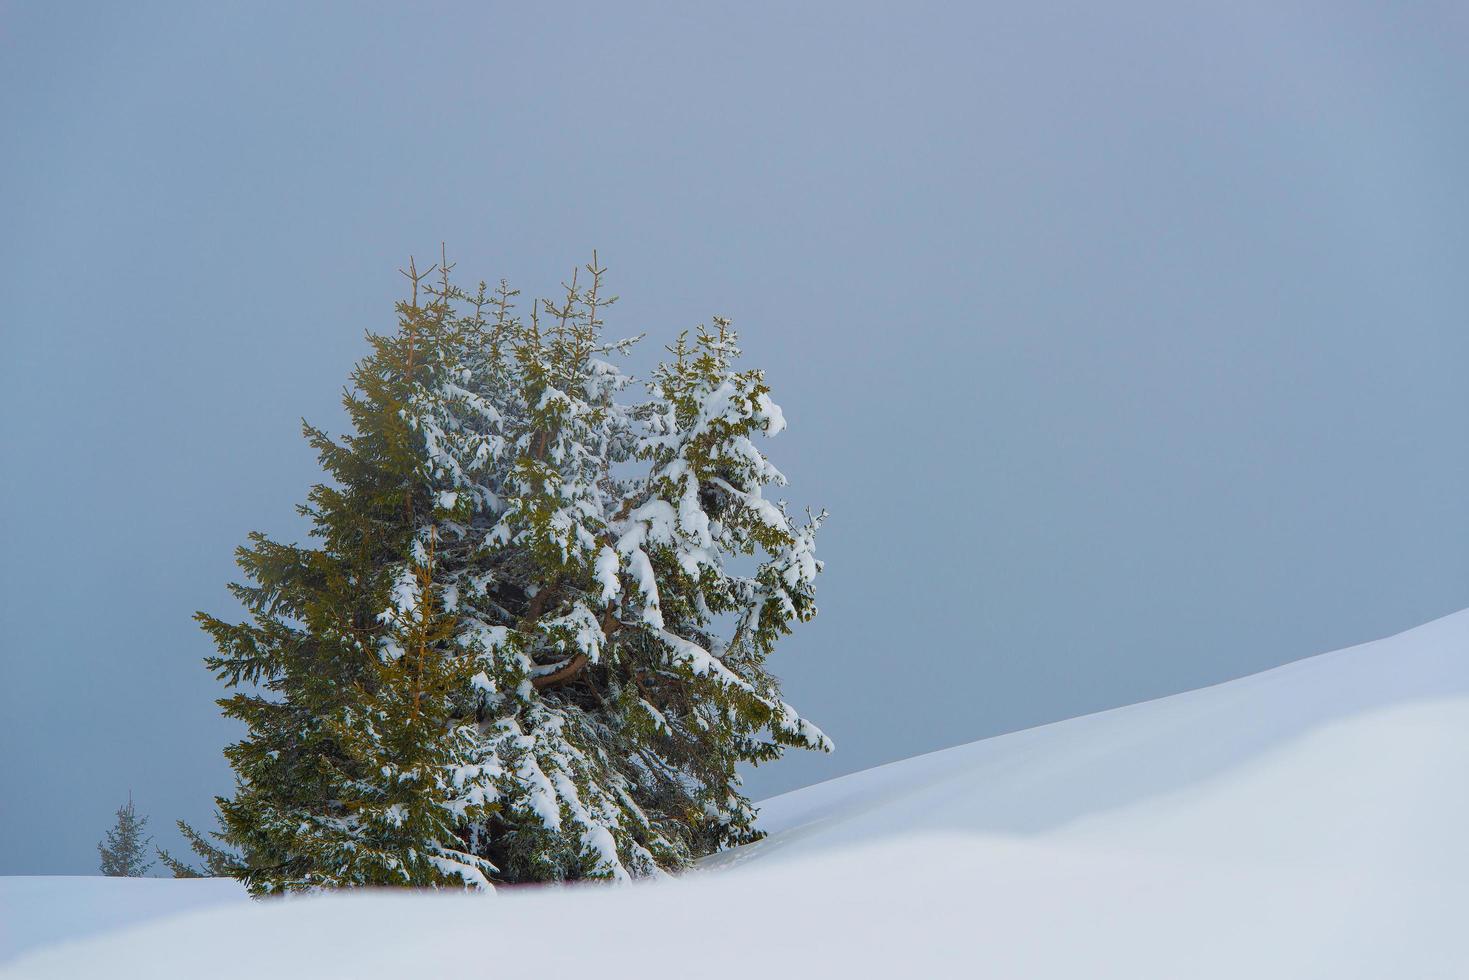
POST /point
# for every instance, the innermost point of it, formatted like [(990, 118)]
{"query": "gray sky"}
[(1125, 344)]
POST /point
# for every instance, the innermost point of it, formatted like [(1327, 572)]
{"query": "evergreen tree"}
[(353, 771), (123, 851), (514, 657), (702, 505)]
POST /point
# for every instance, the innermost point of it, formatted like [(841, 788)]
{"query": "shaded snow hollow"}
[(1304, 822)]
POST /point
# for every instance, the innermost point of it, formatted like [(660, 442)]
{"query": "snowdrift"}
[(1303, 822)]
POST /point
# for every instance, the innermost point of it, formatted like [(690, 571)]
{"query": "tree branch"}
[(561, 675)]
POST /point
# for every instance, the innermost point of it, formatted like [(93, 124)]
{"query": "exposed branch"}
[(538, 602), (561, 675), (610, 623)]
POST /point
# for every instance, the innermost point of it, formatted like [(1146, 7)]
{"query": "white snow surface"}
[(40, 910), (1305, 822)]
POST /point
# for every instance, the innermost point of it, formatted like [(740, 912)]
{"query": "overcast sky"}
[(1125, 344)]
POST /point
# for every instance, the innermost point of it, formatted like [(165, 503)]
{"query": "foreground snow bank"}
[(1304, 822), (39, 910), (938, 906)]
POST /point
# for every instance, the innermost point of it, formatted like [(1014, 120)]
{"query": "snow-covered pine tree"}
[(567, 808), (353, 770), (706, 701), (124, 850), (617, 709), (520, 653)]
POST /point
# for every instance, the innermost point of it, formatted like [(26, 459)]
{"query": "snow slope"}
[(1303, 822), (1347, 749)]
